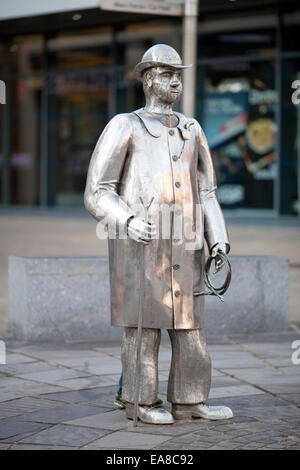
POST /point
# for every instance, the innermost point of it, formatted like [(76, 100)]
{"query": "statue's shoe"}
[(150, 415), (201, 411)]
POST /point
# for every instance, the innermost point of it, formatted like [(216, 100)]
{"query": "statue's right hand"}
[(140, 230)]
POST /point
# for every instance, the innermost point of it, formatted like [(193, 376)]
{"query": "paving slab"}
[(276, 380), (238, 363), (4, 446), (290, 370), (40, 447), (52, 375), (277, 389), (127, 440), (18, 437), (90, 382), (179, 428), (262, 400), (27, 369), (12, 387), (217, 373), (291, 397), (281, 361), (224, 381), (100, 365), (24, 405), (71, 436), (250, 372), (12, 426), (112, 420), (236, 390), (15, 358), (60, 413), (83, 401), (103, 394)]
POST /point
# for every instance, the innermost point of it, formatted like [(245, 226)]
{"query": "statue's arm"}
[(101, 197), (215, 231)]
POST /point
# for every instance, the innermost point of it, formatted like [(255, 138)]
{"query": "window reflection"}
[(78, 112), (24, 157), (290, 169), (81, 49), (25, 53), (238, 116)]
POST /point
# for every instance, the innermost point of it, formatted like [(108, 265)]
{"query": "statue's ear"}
[(148, 77)]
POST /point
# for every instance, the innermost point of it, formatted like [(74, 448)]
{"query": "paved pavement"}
[(72, 234), (59, 396)]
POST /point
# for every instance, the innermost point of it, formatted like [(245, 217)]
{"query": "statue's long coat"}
[(137, 157)]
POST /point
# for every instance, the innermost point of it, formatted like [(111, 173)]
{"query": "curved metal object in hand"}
[(212, 290)]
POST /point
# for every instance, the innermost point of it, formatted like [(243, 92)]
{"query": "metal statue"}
[(158, 160)]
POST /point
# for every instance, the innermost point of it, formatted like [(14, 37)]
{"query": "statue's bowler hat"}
[(159, 55)]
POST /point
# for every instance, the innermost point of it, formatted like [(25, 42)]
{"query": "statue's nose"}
[(175, 83)]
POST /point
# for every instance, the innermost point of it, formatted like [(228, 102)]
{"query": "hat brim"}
[(141, 66)]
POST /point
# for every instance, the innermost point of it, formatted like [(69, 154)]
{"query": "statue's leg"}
[(190, 377), (149, 365), (148, 411), (190, 373)]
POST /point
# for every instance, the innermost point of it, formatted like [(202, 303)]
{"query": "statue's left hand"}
[(219, 263)]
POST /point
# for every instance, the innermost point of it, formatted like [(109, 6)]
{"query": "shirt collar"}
[(155, 127)]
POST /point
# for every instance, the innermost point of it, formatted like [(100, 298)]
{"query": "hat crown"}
[(162, 53)]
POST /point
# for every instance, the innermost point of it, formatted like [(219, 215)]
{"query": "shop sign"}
[(154, 7)]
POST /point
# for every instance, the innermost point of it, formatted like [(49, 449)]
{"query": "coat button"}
[(175, 158), (177, 293), (171, 132), (176, 267), (177, 184)]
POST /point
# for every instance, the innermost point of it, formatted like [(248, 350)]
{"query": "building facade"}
[(67, 72)]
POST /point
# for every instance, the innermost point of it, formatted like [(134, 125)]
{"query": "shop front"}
[(63, 86)]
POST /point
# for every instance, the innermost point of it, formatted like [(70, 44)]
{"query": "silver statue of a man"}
[(156, 154)]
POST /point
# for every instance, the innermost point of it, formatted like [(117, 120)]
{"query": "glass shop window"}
[(235, 37), (78, 112), (24, 54), (1, 151), (290, 159), (24, 142), (81, 49), (2, 57), (291, 27), (237, 112)]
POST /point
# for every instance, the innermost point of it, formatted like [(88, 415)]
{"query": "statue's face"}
[(165, 83)]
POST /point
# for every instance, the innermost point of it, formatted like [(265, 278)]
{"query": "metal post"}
[(140, 324), (189, 56)]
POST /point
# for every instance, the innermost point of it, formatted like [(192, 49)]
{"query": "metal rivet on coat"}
[(177, 184), (175, 158), (177, 293), (171, 132)]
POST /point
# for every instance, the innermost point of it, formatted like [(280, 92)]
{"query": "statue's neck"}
[(157, 107), (161, 111)]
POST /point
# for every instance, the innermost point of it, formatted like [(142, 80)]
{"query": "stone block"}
[(65, 298)]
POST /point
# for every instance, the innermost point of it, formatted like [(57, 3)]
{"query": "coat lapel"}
[(155, 127)]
